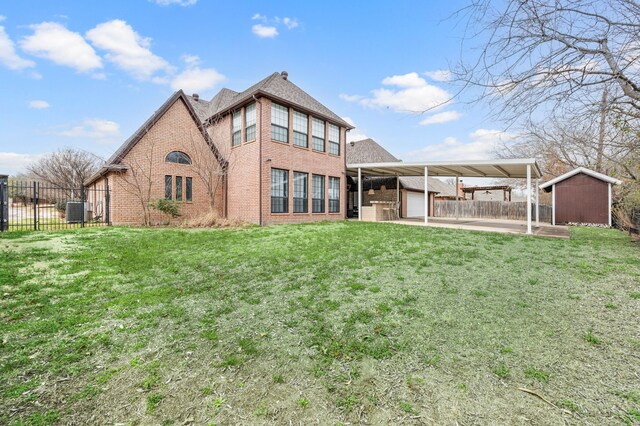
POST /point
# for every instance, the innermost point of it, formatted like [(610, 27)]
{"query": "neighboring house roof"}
[(201, 107), (114, 163), (367, 151), (416, 183), (547, 186), (276, 86)]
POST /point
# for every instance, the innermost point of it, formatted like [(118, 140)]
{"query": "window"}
[(250, 122), (168, 190), (334, 139), (300, 192), (236, 138), (279, 123), (178, 188), (317, 131), (300, 129), (177, 157), (334, 194), (189, 189), (318, 194), (279, 191)]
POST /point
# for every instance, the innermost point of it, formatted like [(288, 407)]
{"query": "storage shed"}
[(581, 196)]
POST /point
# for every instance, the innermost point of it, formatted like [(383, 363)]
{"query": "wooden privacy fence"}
[(514, 210)]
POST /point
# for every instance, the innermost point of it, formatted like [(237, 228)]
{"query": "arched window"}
[(177, 157)]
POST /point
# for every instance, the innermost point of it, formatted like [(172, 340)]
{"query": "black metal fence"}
[(32, 205)]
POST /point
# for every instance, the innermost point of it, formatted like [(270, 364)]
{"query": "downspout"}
[(259, 136)]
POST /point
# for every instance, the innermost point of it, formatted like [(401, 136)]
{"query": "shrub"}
[(168, 207)]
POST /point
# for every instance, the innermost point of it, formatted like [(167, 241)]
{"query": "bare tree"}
[(544, 56), (65, 169)]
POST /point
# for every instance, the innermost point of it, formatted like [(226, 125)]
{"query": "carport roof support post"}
[(528, 199), (426, 195)]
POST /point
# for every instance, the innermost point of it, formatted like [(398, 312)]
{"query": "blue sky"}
[(86, 74)]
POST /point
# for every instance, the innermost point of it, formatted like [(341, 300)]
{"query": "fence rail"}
[(32, 205), (514, 210)]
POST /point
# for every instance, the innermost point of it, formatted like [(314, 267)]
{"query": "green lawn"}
[(330, 323)]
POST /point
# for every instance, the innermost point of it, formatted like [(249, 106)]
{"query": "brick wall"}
[(174, 131)]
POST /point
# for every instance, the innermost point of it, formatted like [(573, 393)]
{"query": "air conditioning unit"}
[(76, 210)]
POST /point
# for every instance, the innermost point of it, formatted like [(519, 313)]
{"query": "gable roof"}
[(278, 87), (547, 186), (114, 163), (367, 151)]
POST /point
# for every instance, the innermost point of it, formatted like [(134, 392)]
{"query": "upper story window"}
[(236, 138), (334, 139), (177, 157), (300, 129), (317, 131), (279, 123), (250, 122)]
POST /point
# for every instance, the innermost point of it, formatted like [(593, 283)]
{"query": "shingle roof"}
[(200, 106), (435, 185), (279, 88), (367, 151)]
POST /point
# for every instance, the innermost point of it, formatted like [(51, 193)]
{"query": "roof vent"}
[(284, 75), (352, 143), (196, 97)]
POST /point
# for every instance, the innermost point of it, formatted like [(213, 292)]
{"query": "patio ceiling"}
[(507, 168)]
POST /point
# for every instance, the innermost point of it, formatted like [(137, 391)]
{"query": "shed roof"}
[(548, 185)]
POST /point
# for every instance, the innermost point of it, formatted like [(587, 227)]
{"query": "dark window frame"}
[(334, 203), (279, 133), (317, 140), (236, 132), (188, 186), (178, 188), (279, 201), (250, 129), (297, 134), (334, 146), (300, 204), (178, 157), (168, 187), (318, 204)]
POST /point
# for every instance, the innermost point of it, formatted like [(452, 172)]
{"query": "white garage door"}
[(415, 204)]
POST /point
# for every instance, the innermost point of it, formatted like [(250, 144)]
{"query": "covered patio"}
[(518, 168)]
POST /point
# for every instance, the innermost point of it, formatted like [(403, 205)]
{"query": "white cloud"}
[(354, 135), (100, 130), (8, 56), (439, 75), (259, 17), (39, 104), (264, 31), (13, 163), (2, 18), (127, 49), (290, 23), (53, 41), (196, 79), (480, 146), (183, 3), (441, 117), (350, 98), (412, 94)]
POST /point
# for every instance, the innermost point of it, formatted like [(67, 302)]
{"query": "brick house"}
[(270, 154)]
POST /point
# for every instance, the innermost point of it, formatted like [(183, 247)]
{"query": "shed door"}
[(415, 204)]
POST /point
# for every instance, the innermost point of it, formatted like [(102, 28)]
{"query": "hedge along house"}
[(581, 196), (269, 154)]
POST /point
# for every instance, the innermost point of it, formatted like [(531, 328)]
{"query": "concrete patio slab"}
[(490, 225)]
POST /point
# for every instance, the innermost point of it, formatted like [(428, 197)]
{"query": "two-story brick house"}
[(269, 154)]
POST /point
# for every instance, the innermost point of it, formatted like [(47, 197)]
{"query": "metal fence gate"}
[(39, 206)]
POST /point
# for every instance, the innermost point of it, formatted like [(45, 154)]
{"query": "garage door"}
[(415, 204)]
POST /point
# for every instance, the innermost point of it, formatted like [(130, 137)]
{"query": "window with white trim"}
[(279, 123), (236, 137), (250, 122), (300, 129), (334, 139), (317, 132)]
